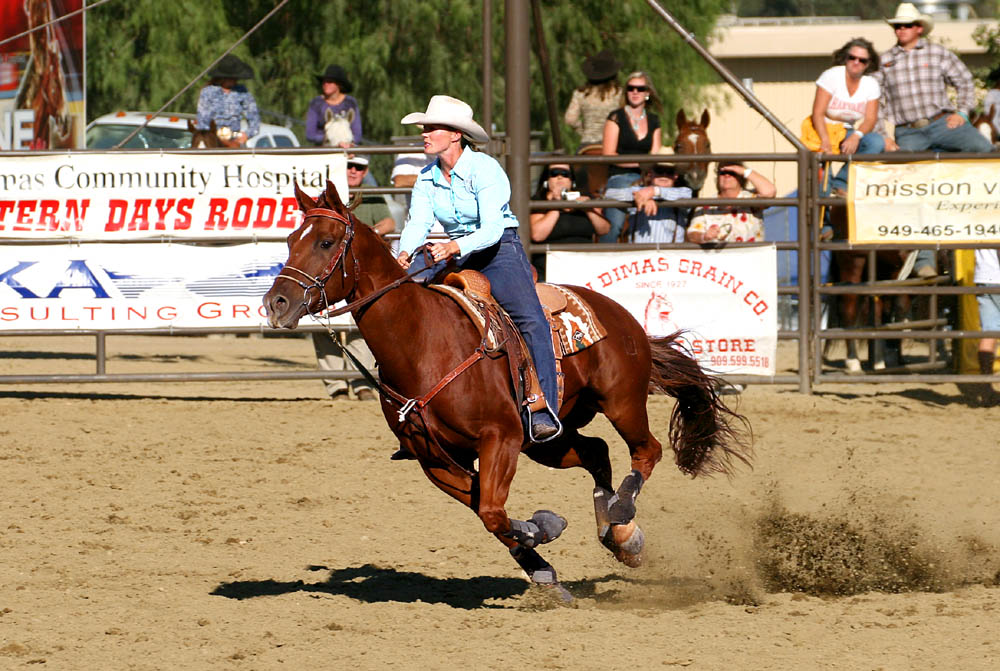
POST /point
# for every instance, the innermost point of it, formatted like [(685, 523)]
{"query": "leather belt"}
[(923, 123)]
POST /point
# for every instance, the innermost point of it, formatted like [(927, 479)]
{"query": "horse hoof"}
[(853, 366), (878, 365), (628, 540)]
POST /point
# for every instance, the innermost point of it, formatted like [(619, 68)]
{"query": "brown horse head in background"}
[(204, 139), (453, 405), (692, 138)]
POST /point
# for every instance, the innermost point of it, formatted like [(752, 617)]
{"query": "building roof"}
[(822, 38)]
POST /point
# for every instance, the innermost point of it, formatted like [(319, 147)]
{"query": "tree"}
[(397, 52)]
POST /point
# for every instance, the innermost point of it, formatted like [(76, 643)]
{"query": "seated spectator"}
[(650, 221), (630, 129), (847, 95), (991, 102), (732, 223), (375, 213), (405, 170), (334, 87), (563, 225), (227, 103), (594, 101)]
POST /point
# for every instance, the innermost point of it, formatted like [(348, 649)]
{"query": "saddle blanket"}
[(571, 319)]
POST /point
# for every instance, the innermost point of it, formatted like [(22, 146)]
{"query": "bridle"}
[(319, 281)]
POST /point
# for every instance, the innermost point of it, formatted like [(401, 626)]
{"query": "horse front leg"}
[(497, 465)]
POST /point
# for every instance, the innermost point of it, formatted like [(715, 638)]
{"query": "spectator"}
[(565, 225), (630, 129), (227, 103), (375, 213), (334, 87), (405, 169), (846, 94), (594, 101), (991, 103), (651, 221), (914, 76), (732, 223), (987, 274)]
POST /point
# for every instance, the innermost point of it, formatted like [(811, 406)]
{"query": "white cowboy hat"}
[(908, 13), (451, 112)]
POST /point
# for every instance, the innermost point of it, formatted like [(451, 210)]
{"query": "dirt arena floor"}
[(262, 526)]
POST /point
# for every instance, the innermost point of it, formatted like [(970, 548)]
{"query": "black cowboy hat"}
[(231, 67), (337, 74), (601, 67)]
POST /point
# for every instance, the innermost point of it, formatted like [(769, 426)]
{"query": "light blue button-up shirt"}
[(474, 208), (227, 109)]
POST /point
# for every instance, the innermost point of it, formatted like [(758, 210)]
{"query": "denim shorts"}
[(989, 310)]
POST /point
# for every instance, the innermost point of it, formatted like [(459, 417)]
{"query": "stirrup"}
[(552, 423)]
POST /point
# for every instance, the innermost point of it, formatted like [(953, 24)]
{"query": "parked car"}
[(169, 131)]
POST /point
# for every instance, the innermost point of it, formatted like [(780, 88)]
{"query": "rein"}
[(407, 405)]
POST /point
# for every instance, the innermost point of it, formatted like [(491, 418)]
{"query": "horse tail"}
[(706, 436)]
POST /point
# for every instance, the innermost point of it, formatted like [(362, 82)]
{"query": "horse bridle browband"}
[(319, 282)]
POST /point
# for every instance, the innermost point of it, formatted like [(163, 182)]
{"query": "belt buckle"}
[(920, 123)]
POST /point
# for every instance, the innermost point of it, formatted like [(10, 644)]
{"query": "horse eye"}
[(326, 244)]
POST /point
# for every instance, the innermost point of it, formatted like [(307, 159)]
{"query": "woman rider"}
[(469, 193)]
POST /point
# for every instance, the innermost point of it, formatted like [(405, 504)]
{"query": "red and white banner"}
[(725, 300), (137, 286), (131, 195)]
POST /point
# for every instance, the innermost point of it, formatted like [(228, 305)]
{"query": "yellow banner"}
[(926, 202)]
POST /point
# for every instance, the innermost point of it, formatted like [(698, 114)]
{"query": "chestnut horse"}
[(692, 138), (449, 400), (204, 139)]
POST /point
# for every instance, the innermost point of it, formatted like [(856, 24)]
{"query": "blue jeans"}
[(871, 143), (506, 266), (936, 136), (613, 215)]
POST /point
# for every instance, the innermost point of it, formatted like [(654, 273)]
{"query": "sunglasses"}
[(664, 172), (641, 89), (859, 59), (729, 172), (905, 25), (356, 166), (560, 172)]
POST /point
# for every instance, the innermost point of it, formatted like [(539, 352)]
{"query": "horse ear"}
[(305, 202), (191, 126), (350, 115), (332, 197), (705, 118), (681, 119), (328, 115), (212, 127)]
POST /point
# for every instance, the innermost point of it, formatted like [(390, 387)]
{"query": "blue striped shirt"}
[(474, 208)]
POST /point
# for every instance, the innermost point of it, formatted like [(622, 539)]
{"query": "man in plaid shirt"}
[(914, 76)]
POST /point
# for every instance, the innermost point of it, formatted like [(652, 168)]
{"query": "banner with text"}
[(726, 300), (926, 202), (123, 195), (137, 286)]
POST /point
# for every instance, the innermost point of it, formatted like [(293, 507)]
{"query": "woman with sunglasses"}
[(565, 225), (630, 129), (469, 194), (847, 95)]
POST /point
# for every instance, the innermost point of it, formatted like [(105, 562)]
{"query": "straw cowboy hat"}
[(601, 66), (451, 112), (908, 13), (337, 74), (231, 67)]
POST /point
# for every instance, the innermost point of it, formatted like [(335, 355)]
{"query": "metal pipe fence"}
[(810, 294)]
